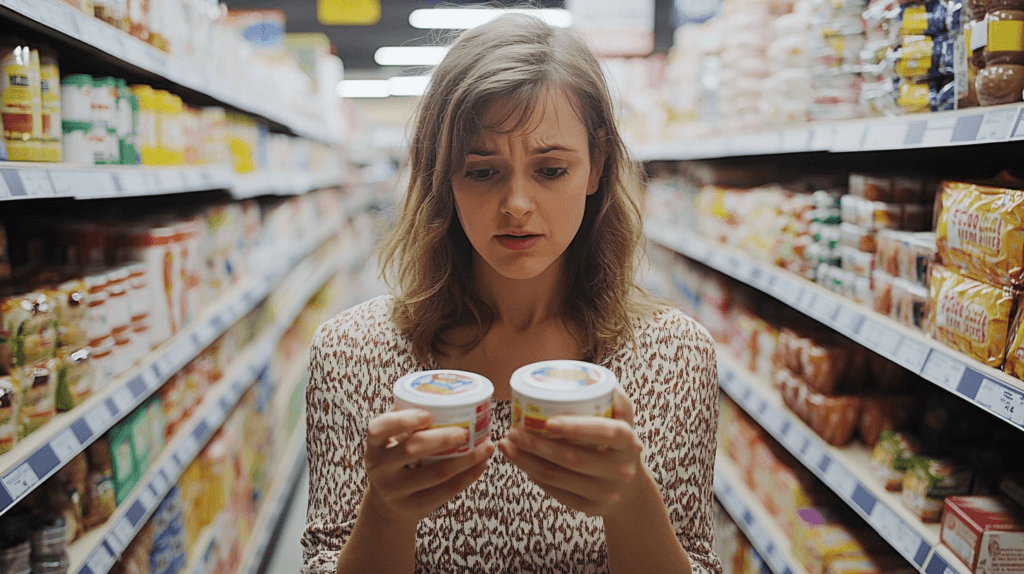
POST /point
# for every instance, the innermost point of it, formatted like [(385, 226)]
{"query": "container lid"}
[(444, 388), (563, 380)]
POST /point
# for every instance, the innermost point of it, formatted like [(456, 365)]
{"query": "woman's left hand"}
[(590, 464)]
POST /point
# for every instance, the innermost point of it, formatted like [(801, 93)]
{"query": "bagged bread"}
[(981, 231), (969, 316)]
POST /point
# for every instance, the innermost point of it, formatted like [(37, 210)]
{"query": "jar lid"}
[(563, 380), (444, 388)]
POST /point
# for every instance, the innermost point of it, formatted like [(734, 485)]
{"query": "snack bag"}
[(970, 316), (981, 231)]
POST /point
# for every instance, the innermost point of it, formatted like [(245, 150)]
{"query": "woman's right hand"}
[(401, 490)]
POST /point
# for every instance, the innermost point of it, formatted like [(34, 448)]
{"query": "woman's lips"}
[(518, 243)]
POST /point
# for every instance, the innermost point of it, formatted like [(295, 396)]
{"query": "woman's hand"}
[(590, 464), (395, 442)]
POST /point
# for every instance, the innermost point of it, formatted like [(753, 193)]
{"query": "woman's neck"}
[(520, 305)]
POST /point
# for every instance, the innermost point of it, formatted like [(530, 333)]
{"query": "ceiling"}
[(357, 44)]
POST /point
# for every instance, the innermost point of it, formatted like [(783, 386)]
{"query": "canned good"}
[(16, 96), (454, 398), (51, 108), (550, 388)]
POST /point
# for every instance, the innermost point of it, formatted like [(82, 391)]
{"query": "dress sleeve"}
[(691, 433), (334, 450)]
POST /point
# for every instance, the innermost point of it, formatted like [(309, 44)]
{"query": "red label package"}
[(986, 532)]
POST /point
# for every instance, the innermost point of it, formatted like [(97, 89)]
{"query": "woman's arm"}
[(640, 537)]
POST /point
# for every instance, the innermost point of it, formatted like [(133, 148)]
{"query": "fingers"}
[(388, 425), (574, 457), (417, 446), (622, 407), (441, 480), (613, 434), (549, 475)]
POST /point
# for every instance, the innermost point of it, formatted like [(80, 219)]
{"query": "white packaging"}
[(550, 388), (454, 398)]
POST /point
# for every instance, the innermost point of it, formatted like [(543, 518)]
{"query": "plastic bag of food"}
[(834, 418), (891, 457), (969, 316), (981, 231)]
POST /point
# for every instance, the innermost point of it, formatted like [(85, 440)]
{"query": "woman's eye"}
[(479, 174), (553, 172)]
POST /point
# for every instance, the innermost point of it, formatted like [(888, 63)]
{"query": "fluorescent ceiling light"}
[(466, 18), (410, 55), (364, 89), (408, 85)]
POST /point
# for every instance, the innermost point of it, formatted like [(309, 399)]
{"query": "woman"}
[(516, 243)]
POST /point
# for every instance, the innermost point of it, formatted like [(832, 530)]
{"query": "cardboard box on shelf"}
[(985, 532)]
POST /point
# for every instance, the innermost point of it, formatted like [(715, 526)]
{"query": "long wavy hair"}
[(427, 260)]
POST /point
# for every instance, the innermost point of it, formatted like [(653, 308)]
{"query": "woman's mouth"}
[(518, 242)]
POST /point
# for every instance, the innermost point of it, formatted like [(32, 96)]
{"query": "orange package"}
[(981, 230), (834, 418), (970, 316)]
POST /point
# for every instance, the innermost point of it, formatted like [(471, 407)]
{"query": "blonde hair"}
[(514, 59)]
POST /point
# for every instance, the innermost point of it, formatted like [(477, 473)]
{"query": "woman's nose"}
[(517, 200)]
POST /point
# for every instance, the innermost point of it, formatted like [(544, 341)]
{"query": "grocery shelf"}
[(42, 453), (275, 505), (990, 389), (41, 180), (844, 470), (60, 20), (943, 129), (97, 550), (752, 518)]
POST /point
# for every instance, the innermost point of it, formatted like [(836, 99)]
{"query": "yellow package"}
[(866, 564), (808, 520), (826, 543), (1015, 354), (981, 231), (970, 316)]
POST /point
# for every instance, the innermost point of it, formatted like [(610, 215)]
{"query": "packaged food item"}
[(928, 95), (50, 539), (826, 543), (103, 137), (969, 316), (865, 564), (100, 500), (925, 57), (38, 388), (10, 401), (923, 18), (124, 458), (822, 364), (879, 215), (882, 292), (860, 263), (835, 419), (454, 398), (101, 359), (1015, 352), (929, 481), (909, 303), (1005, 43), (19, 113), (999, 84), (70, 306), (857, 237), (126, 114), (70, 484), (159, 249), (914, 256), (981, 231), (884, 413), (871, 188), (147, 126), (549, 388), (27, 332), (51, 108), (891, 457), (74, 377), (138, 19), (986, 533)]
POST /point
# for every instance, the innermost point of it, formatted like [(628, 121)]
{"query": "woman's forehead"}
[(550, 115)]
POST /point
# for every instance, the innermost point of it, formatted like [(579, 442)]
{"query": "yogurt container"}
[(549, 388), (454, 398)]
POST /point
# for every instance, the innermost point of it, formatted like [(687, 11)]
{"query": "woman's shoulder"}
[(669, 326), (359, 330)]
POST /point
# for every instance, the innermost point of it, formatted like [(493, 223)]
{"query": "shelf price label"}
[(895, 531), (122, 533), (848, 320), (943, 371), (98, 418), (1004, 402), (65, 445), (912, 354), (20, 480), (842, 481), (101, 560), (36, 182)]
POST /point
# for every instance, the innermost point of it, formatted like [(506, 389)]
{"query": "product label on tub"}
[(444, 384), (567, 379)]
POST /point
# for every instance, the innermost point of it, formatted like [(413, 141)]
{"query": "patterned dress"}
[(504, 522)]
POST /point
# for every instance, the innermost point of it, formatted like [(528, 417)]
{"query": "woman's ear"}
[(598, 162)]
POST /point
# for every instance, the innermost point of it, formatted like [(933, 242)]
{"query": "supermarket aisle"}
[(286, 557)]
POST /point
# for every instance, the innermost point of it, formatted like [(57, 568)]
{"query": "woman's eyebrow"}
[(551, 148), (482, 152)]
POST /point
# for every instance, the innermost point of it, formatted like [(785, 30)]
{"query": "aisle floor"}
[(287, 552)]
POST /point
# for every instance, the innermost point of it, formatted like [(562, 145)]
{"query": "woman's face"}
[(520, 196)]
